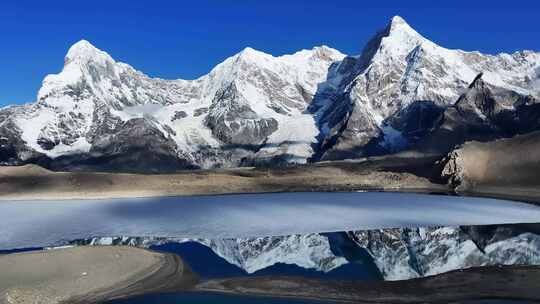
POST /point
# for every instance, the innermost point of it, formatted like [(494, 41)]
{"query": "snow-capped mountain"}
[(253, 107), (99, 108), (398, 253), (400, 70)]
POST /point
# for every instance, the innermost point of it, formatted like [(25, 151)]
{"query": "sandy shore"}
[(405, 173), (505, 282), (96, 274), (33, 183), (89, 274)]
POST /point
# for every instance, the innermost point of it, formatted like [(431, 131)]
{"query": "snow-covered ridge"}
[(398, 68), (92, 82), (254, 106)]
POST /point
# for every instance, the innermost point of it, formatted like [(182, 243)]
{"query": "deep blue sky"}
[(185, 39)]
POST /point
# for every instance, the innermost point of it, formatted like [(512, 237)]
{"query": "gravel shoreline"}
[(89, 274), (31, 182)]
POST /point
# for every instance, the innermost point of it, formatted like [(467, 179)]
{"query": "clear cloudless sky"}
[(185, 39)]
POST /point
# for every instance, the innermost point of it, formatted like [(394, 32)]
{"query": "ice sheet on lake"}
[(44, 223)]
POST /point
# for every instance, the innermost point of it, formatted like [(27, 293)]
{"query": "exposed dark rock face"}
[(13, 149), (453, 170), (483, 113), (233, 122), (104, 123), (179, 115), (353, 137), (417, 120), (135, 146), (200, 111)]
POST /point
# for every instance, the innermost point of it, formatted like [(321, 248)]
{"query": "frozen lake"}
[(45, 223)]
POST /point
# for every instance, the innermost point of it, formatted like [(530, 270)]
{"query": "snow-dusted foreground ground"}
[(44, 223)]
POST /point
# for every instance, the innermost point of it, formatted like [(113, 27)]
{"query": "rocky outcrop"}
[(454, 171), (13, 149), (232, 120), (508, 166), (483, 113)]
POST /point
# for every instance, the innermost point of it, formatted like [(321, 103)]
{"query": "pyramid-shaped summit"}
[(83, 50)]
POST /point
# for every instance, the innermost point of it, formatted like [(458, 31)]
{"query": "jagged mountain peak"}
[(83, 63), (322, 52), (397, 20), (324, 47), (396, 40), (83, 50), (397, 23), (298, 106), (477, 82), (399, 36), (249, 52)]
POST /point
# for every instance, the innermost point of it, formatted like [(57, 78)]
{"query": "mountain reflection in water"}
[(387, 254), (465, 264)]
